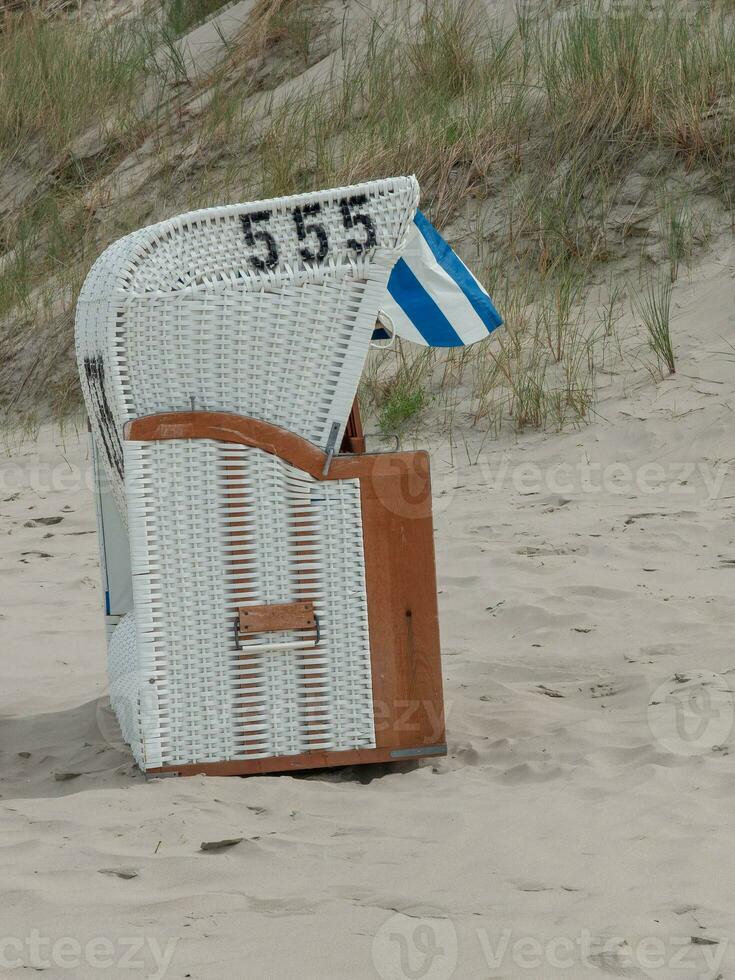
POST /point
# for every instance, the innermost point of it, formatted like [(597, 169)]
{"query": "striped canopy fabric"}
[(433, 299)]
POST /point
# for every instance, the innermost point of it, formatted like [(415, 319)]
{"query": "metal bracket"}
[(331, 444)]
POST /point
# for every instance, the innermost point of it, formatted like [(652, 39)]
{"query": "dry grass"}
[(560, 107), (57, 78), (530, 132)]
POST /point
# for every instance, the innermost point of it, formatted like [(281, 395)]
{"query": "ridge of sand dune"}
[(573, 831)]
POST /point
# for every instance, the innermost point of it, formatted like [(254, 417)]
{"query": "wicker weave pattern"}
[(127, 691), (178, 312), (253, 529)]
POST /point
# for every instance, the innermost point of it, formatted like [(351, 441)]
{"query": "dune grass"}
[(547, 119), (396, 386), (179, 16), (58, 77), (525, 132), (565, 105), (653, 305)]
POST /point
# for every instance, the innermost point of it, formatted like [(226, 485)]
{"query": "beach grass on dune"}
[(179, 16), (529, 129), (58, 77), (653, 305)]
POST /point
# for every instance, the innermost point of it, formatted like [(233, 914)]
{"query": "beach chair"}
[(270, 601)]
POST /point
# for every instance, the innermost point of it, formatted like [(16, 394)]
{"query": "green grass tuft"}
[(402, 405), (654, 308), (180, 16)]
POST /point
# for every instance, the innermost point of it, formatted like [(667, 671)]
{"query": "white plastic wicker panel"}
[(214, 526), (264, 309), (126, 683)]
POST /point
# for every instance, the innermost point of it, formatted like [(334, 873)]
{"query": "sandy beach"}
[(582, 822)]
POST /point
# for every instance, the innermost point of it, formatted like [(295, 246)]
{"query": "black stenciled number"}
[(253, 237), (312, 228), (350, 219), (94, 370)]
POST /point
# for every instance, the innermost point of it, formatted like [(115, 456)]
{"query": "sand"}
[(582, 823)]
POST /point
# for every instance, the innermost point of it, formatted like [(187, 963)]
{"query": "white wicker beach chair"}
[(220, 354)]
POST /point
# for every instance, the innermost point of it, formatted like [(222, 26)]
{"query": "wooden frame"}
[(395, 494), (353, 440)]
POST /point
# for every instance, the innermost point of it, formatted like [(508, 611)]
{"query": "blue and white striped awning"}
[(433, 299)]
